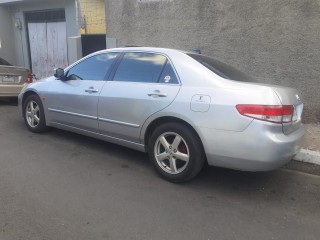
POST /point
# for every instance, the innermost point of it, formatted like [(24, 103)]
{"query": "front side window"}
[(140, 67), (92, 68)]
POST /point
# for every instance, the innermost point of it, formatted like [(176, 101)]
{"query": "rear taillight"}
[(269, 113), (30, 78)]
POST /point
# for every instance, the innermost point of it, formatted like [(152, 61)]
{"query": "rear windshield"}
[(222, 69)]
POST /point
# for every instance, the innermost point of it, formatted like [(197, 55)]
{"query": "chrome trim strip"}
[(73, 114), (118, 122), (141, 146)]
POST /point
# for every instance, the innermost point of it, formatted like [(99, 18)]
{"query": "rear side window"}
[(222, 69), (92, 68), (140, 67), (168, 75)]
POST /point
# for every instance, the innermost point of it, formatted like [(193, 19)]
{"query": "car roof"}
[(145, 49)]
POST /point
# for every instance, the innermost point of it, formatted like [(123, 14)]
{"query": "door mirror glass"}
[(59, 73)]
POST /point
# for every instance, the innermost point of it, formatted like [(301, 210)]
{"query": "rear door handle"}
[(157, 94), (91, 90)]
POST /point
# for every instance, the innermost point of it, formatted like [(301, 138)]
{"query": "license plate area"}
[(9, 79)]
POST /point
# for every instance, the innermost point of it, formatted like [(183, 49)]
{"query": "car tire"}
[(176, 152), (33, 114)]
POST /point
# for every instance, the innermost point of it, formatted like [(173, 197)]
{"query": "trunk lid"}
[(12, 75), (290, 96)]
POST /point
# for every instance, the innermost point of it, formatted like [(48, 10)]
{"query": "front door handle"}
[(91, 90), (157, 93)]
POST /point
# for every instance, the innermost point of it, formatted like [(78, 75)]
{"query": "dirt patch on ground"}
[(312, 137)]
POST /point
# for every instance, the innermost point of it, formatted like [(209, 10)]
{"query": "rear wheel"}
[(176, 152), (34, 115)]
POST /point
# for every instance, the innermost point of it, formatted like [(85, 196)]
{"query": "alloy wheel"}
[(171, 152), (33, 114)]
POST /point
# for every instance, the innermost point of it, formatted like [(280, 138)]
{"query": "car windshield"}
[(4, 62), (221, 69)]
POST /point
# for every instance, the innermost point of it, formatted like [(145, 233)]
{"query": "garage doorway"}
[(47, 41)]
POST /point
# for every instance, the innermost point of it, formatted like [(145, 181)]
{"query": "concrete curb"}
[(308, 156)]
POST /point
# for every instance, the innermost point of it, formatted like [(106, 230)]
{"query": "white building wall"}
[(7, 46)]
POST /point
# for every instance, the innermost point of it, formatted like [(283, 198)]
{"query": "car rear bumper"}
[(10, 90), (261, 147)]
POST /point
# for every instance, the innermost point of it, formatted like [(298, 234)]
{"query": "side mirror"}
[(59, 73)]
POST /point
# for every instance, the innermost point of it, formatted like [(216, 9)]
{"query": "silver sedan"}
[(183, 109)]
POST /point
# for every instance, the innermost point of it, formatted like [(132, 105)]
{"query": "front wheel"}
[(176, 152), (33, 114)]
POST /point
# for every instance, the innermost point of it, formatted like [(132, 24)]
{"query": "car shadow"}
[(100, 146), (12, 101), (212, 184), (219, 178)]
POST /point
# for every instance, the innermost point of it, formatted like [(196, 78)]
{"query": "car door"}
[(73, 101), (143, 84)]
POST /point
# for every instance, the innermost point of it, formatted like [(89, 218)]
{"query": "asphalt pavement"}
[(63, 186)]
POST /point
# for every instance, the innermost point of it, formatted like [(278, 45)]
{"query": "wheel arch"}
[(41, 120), (165, 119), (27, 94)]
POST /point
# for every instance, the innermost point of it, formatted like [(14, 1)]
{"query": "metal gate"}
[(47, 41)]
